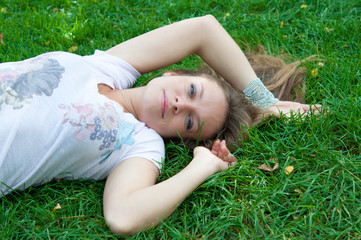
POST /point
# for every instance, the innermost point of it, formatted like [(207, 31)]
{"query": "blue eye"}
[(189, 122), (192, 90)]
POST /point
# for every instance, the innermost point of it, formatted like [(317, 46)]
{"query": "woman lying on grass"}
[(66, 116)]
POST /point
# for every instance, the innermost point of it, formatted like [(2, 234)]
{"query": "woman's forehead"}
[(213, 108)]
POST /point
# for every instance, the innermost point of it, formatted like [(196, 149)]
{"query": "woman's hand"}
[(287, 107), (220, 149), (219, 158)]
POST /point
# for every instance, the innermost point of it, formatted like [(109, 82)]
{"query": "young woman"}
[(68, 116)]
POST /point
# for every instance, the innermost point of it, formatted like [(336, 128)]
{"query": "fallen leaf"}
[(328, 29), (320, 64), (3, 10), (346, 46), (265, 166), (289, 169), (57, 207), (73, 49), (298, 191), (2, 38), (314, 72), (303, 6)]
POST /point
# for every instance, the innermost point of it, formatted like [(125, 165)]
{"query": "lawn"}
[(319, 199)]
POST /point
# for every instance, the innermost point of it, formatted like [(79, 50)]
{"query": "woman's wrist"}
[(206, 162)]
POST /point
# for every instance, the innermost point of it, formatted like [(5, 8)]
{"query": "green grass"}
[(320, 199)]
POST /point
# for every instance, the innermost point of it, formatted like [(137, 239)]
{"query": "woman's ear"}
[(169, 74)]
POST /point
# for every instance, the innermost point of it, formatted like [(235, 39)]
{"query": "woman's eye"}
[(192, 90), (189, 122)]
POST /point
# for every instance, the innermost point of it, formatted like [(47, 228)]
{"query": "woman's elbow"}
[(121, 226), (208, 17), (210, 20)]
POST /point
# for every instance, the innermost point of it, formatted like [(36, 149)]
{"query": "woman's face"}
[(177, 103)]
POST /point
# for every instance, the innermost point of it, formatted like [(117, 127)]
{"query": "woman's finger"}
[(224, 150), (216, 147)]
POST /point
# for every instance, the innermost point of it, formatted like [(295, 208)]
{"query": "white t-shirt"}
[(55, 124)]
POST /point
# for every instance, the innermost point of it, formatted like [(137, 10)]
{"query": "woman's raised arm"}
[(203, 36)]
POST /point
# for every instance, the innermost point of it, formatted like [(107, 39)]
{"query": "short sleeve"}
[(114, 71)]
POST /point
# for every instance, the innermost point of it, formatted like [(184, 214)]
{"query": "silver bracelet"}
[(259, 95)]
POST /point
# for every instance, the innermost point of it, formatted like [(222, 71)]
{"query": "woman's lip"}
[(164, 104)]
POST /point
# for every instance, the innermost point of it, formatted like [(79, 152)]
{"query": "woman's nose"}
[(181, 104)]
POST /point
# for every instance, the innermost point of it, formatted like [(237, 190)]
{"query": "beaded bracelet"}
[(259, 95)]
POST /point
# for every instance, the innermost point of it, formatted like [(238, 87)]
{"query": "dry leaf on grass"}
[(265, 166), (57, 207), (298, 191)]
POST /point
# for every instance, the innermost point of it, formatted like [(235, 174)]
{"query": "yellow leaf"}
[(289, 169), (57, 207), (281, 24), (314, 72), (303, 6), (3, 10), (73, 49)]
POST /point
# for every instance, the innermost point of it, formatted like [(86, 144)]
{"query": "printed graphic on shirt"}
[(100, 124), (35, 76)]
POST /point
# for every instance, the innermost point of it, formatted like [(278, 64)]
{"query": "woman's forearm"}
[(146, 207), (221, 52)]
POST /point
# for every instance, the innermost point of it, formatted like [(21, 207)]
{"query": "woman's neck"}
[(126, 98)]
